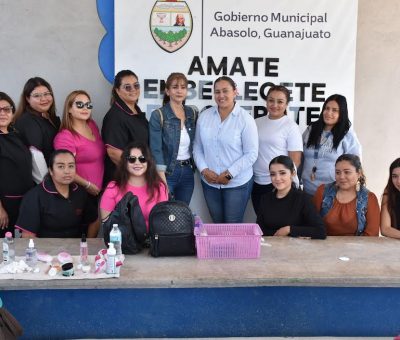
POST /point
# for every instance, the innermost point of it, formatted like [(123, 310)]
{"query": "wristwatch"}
[(228, 176)]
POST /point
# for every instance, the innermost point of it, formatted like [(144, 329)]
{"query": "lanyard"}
[(316, 154)]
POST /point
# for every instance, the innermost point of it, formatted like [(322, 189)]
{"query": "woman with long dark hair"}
[(172, 131), (325, 140), (288, 211), (124, 121), (390, 207), (37, 123), (138, 174), (15, 167)]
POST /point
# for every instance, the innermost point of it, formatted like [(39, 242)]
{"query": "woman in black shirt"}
[(287, 211), (15, 167), (37, 123), (124, 121)]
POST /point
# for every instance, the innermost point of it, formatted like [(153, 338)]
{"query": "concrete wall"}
[(59, 41)]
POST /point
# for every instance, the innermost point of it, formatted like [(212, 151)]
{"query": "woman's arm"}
[(104, 214), (90, 187), (373, 216), (386, 221), (39, 165), (156, 140), (3, 217), (114, 154)]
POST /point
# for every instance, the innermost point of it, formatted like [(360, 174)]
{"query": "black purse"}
[(171, 226), (129, 217)]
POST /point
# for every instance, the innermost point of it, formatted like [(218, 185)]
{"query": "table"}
[(298, 287)]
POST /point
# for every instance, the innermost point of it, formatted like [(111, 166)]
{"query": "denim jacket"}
[(361, 205), (165, 136)]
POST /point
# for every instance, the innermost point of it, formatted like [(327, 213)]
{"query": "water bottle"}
[(8, 248), (111, 267), (116, 239), (31, 254), (83, 251)]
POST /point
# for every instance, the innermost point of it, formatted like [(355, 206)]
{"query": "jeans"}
[(227, 205), (181, 183), (258, 191)]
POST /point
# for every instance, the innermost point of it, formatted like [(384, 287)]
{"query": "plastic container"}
[(8, 248), (116, 239), (228, 241), (111, 267), (83, 251), (31, 254)]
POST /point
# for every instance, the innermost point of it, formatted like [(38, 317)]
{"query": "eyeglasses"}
[(132, 159), (6, 109), (81, 105), (130, 87), (40, 95)]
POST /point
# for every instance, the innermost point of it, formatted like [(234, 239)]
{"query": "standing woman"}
[(390, 207), (347, 207), (80, 135), (325, 140), (277, 135), (172, 131), (37, 123), (15, 167), (136, 173), (124, 121), (274, 219), (225, 148)]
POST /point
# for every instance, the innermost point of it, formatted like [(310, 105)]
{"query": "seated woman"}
[(390, 207), (57, 207), (288, 211), (137, 173), (347, 207)]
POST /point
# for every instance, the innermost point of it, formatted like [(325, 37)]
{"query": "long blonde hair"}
[(67, 120)]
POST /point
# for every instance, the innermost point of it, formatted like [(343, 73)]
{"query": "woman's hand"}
[(3, 217), (93, 189), (222, 178), (210, 176), (284, 231)]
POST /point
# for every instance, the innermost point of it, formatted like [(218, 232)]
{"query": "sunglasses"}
[(130, 87), (6, 109), (132, 159), (81, 105)]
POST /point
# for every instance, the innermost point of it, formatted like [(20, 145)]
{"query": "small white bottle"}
[(111, 259), (31, 254), (83, 250), (116, 239), (8, 248)]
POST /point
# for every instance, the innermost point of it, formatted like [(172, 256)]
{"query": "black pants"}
[(256, 194)]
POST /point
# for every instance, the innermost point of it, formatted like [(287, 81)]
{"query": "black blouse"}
[(38, 132), (46, 213), (120, 127), (295, 210), (15, 173)]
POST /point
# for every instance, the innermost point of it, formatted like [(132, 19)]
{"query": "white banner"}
[(307, 45)]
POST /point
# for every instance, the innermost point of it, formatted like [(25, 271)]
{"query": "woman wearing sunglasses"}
[(172, 130), (137, 173), (124, 122), (225, 148), (80, 135), (37, 123), (15, 167)]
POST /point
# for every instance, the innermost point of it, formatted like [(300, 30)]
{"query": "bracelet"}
[(88, 185)]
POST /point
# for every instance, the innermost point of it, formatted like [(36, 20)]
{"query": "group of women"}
[(73, 164)]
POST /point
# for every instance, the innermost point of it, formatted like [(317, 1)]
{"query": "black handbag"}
[(129, 217), (171, 226)]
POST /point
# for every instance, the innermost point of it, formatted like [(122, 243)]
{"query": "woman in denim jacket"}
[(172, 130)]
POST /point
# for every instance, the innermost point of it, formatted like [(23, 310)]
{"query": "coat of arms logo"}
[(171, 24)]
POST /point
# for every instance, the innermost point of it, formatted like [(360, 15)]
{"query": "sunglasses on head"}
[(132, 159), (81, 105), (130, 87)]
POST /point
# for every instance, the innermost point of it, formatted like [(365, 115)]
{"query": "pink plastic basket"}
[(228, 241)]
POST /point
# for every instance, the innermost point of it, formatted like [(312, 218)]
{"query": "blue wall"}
[(202, 312)]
